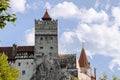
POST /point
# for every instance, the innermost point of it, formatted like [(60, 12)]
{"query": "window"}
[(51, 39), (19, 64), (46, 39), (51, 48), (85, 71), (42, 54), (50, 54), (27, 63), (41, 47), (41, 39), (32, 63), (23, 72)]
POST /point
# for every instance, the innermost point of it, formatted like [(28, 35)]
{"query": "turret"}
[(84, 64), (14, 49)]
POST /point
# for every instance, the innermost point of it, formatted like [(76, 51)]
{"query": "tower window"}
[(50, 54), (19, 64), (42, 54), (51, 48), (23, 72), (51, 39), (41, 38), (41, 47)]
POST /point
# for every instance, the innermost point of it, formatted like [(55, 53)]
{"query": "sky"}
[(96, 23)]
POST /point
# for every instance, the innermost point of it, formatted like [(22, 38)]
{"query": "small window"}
[(85, 71), (19, 64), (46, 38), (32, 63), (41, 47), (23, 72), (41, 38), (50, 54), (27, 63), (51, 38), (51, 48), (42, 54)]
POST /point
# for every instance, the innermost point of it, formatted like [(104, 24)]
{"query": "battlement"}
[(38, 22), (61, 56)]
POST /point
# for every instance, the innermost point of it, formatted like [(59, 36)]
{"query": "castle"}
[(42, 61)]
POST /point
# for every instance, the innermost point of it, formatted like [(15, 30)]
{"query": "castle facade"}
[(42, 61)]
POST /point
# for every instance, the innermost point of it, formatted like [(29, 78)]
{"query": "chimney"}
[(14, 49), (95, 73)]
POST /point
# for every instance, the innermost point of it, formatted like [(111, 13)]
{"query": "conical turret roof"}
[(46, 16), (83, 62)]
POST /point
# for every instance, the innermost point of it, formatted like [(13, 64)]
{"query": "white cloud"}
[(95, 29), (64, 10), (99, 39), (29, 37), (97, 3), (35, 5), (116, 15), (47, 5), (18, 5), (69, 10)]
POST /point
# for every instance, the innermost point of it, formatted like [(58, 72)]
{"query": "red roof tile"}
[(83, 62), (25, 48), (9, 50), (46, 16)]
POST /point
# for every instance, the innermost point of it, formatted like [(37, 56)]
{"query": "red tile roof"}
[(46, 16), (83, 62), (25, 48), (9, 50)]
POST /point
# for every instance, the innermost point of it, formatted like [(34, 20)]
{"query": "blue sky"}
[(94, 22)]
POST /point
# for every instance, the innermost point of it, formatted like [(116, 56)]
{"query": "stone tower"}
[(46, 48)]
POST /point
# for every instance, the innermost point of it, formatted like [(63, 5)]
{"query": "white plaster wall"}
[(27, 65), (82, 76)]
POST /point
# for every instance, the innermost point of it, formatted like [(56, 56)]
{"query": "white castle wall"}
[(26, 67)]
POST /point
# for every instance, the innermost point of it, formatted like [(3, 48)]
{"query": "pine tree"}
[(6, 71)]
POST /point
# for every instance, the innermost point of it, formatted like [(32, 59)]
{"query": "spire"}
[(46, 16), (83, 62)]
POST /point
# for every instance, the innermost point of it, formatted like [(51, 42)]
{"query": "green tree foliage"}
[(6, 71), (115, 77), (5, 15), (75, 78), (104, 77)]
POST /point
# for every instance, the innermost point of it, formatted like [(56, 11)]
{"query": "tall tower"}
[(46, 48)]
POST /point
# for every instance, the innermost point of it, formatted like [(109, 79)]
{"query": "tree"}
[(6, 71), (115, 77), (104, 77), (75, 78), (5, 15)]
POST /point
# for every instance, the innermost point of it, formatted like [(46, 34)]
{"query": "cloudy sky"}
[(96, 23)]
